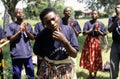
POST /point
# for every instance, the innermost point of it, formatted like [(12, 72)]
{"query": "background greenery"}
[(81, 73)]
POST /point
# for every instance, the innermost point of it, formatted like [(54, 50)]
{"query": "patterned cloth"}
[(49, 70), (1, 64), (91, 58)]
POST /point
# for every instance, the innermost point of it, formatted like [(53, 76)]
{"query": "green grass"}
[(81, 73)]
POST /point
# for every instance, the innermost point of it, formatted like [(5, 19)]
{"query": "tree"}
[(10, 7), (35, 7), (97, 4)]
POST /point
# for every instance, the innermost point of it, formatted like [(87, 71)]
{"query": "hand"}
[(24, 27), (118, 17), (96, 26), (73, 24), (59, 36)]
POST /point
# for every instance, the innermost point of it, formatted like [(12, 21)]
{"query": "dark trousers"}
[(17, 67)]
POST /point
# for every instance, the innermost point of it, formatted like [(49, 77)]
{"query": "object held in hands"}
[(5, 43)]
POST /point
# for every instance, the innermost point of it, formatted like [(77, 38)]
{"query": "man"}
[(20, 33), (68, 20), (114, 27), (55, 45)]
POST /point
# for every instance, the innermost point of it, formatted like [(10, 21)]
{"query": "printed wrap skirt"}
[(55, 69), (91, 57)]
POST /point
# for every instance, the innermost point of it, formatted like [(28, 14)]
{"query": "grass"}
[(81, 73)]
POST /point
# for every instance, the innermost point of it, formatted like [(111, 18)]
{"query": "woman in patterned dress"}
[(91, 58)]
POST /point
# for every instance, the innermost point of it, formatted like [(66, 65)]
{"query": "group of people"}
[(56, 45)]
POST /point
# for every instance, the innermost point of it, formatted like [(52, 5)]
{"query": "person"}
[(2, 40), (91, 58), (20, 33), (68, 20), (114, 28), (56, 43), (38, 28)]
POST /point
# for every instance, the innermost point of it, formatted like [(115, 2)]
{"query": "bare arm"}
[(15, 36)]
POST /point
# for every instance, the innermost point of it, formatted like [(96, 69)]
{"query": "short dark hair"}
[(46, 11), (117, 3), (96, 11)]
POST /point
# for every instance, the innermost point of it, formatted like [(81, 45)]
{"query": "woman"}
[(91, 58)]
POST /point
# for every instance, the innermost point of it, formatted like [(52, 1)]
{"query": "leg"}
[(95, 73), (29, 68), (39, 60), (90, 75), (17, 67), (114, 62), (73, 60)]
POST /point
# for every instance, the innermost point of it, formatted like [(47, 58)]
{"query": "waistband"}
[(67, 60)]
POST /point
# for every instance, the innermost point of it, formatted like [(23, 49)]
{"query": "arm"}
[(112, 26), (86, 29), (76, 27), (60, 37), (15, 36)]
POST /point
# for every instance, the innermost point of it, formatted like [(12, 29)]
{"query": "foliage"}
[(10, 7), (98, 4), (35, 7)]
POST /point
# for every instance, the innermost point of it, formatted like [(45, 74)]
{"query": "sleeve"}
[(77, 26), (2, 33), (73, 40), (103, 29), (36, 46), (30, 29), (36, 29), (10, 31), (85, 28), (110, 22)]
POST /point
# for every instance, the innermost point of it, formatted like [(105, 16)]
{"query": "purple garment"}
[(116, 31), (2, 33), (21, 47), (45, 45), (77, 26), (89, 24), (38, 27)]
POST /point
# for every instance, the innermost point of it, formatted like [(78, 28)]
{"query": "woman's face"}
[(51, 21), (94, 15)]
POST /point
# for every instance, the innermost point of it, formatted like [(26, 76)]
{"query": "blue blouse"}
[(2, 33), (89, 24)]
